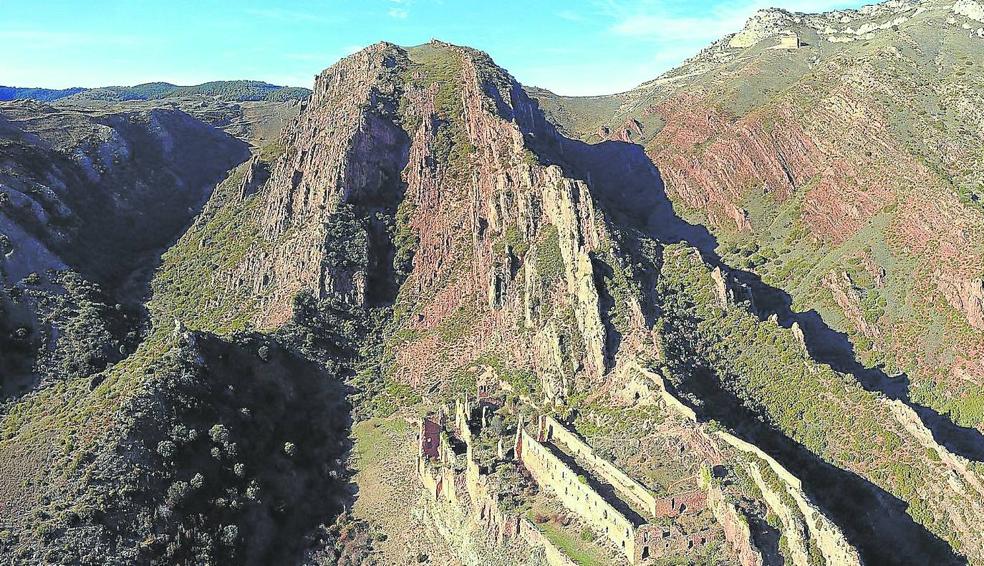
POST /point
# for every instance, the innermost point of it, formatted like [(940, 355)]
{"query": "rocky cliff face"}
[(846, 155), (430, 153)]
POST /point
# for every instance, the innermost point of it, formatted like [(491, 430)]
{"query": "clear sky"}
[(571, 47)]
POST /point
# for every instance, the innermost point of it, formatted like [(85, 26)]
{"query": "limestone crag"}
[(339, 150)]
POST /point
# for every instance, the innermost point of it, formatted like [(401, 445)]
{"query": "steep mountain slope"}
[(422, 229), (78, 185), (100, 194), (845, 172)]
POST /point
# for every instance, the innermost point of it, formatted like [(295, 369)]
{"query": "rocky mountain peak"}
[(421, 175)]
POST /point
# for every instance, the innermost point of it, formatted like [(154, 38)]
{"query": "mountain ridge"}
[(233, 91)]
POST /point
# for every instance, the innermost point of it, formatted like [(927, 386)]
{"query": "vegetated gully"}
[(630, 188)]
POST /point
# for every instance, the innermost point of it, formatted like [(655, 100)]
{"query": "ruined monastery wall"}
[(627, 487), (554, 475), (736, 529)]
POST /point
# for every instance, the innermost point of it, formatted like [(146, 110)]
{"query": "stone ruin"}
[(627, 513), (456, 463), (455, 467), (788, 40)]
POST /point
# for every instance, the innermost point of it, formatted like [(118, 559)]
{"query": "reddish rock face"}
[(841, 165), (339, 150), (441, 142), (967, 296), (710, 161)]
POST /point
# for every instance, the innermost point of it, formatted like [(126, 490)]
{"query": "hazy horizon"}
[(584, 47)]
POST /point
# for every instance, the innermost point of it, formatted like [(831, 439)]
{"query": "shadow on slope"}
[(630, 189), (106, 208), (234, 454), (873, 520)]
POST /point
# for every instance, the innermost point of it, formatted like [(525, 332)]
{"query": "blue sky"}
[(572, 47)]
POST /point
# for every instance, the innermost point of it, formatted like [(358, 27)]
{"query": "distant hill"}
[(237, 91), (42, 94)]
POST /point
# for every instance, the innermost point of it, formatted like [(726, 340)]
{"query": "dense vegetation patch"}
[(230, 453)]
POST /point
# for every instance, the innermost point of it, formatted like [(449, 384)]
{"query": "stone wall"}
[(658, 541), (676, 505), (736, 529), (555, 476), (438, 467), (816, 526), (749, 448), (672, 402), (627, 488)]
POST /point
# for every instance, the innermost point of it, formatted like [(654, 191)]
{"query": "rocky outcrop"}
[(969, 8), (257, 173), (568, 206), (431, 167), (343, 149), (848, 298), (762, 25), (965, 295)]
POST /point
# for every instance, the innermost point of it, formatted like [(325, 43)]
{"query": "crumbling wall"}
[(736, 529), (749, 448), (794, 529), (627, 487), (676, 505), (468, 489), (667, 397), (827, 536), (555, 476), (658, 541)]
